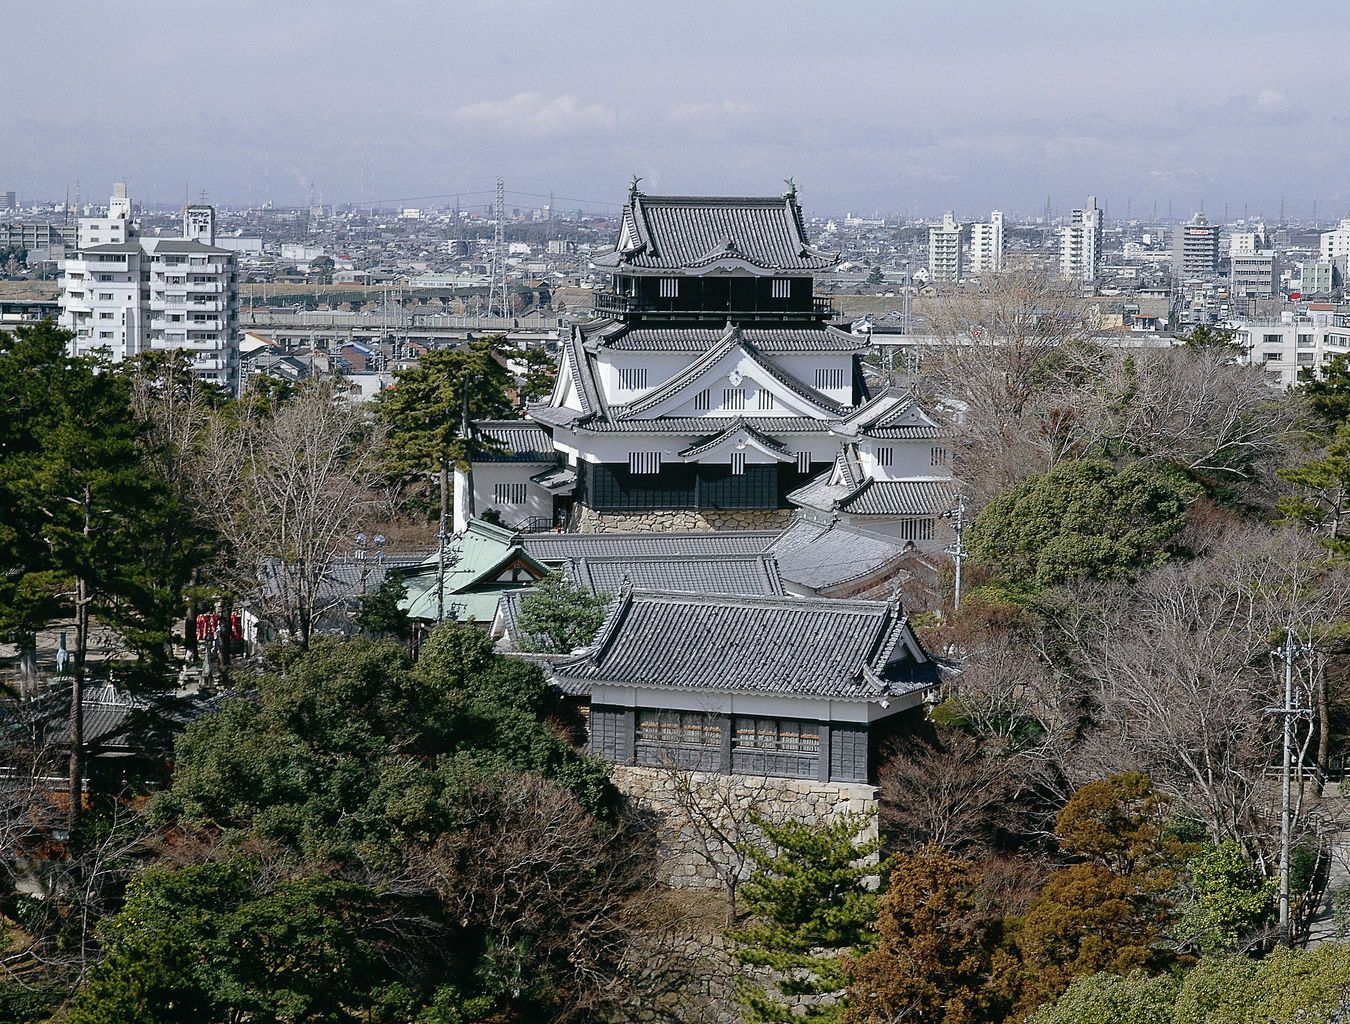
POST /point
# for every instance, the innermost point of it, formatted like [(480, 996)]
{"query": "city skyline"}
[(869, 107)]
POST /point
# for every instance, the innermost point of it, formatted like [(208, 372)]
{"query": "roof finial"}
[(791, 188), (633, 188)]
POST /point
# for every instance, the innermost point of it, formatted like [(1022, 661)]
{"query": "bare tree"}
[(1003, 356), (954, 794), (289, 489)]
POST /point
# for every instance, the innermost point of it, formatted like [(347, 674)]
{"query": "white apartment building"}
[(1080, 243), (143, 294), (1336, 242), (944, 250), (1290, 344), (986, 245)]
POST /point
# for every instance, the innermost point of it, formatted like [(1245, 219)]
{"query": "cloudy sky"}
[(892, 106)]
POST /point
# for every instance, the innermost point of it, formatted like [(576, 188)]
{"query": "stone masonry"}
[(702, 815), (681, 520)]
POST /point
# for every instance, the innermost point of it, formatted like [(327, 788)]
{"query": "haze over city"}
[(904, 108)]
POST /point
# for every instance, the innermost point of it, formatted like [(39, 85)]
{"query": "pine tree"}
[(812, 902), (559, 616)]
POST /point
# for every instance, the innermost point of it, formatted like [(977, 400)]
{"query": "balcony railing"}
[(610, 304)]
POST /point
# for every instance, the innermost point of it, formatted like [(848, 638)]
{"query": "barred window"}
[(737, 463), (765, 399), (916, 529), (633, 378), (782, 288), (679, 728), (508, 494), (703, 401), (786, 734), (733, 398), (803, 462), (886, 456), (644, 462), (937, 456), (829, 377), (670, 287)]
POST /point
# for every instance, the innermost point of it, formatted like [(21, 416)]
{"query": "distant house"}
[(800, 688), (483, 563)]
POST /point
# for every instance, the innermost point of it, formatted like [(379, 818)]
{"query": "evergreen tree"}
[(381, 613), (559, 616), (1328, 392), (812, 905)]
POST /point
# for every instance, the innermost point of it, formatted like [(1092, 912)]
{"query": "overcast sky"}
[(892, 106)]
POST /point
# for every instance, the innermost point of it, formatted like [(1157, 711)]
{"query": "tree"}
[(1328, 392), (430, 407), (1207, 337), (85, 513), (1082, 519), (1231, 904), (1117, 822), (1086, 919), (1134, 998), (953, 795), (1321, 502), (540, 373), (811, 907), (321, 269), (559, 616), (932, 959), (1287, 985), (290, 486), (381, 612)]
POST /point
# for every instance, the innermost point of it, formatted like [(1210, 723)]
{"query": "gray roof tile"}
[(558, 547), (797, 647), (699, 574)]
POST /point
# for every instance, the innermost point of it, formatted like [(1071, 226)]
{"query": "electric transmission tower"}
[(497, 298)]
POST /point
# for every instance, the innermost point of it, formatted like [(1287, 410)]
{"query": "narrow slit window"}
[(737, 463), (886, 456), (670, 287), (645, 463)]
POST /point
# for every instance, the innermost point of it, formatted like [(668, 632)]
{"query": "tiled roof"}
[(732, 338), (689, 232), (559, 547), (796, 647), (516, 441), (902, 498), (697, 426), (892, 413), (699, 574), (818, 555), (698, 338), (115, 719), (736, 427)]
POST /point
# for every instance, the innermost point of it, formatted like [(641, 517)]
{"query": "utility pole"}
[(958, 550), (1288, 712)]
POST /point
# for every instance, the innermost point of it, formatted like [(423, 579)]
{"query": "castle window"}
[(633, 378), (782, 288), (937, 456), (703, 401), (670, 287), (916, 529), (737, 463), (644, 462), (829, 377), (803, 462), (508, 494), (765, 399), (886, 456), (733, 398)]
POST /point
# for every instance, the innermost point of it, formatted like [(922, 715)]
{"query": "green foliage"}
[(1206, 336), (558, 616), (1322, 483), (1112, 999), (80, 497), (381, 614), (540, 374), (1328, 393), (1230, 902), (426, 407), (1081, 519), (351, 753), (224, 941), (811, 904), (1287, 985)]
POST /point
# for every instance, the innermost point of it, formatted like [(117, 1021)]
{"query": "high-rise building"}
[(944, 250), (9, 201), (1195, 249), (1336, 242), (140, 294), (1253, 275), (1080, 243), (986, 245)]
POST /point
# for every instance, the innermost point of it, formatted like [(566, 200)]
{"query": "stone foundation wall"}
[(701, 816), (681, 520)]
